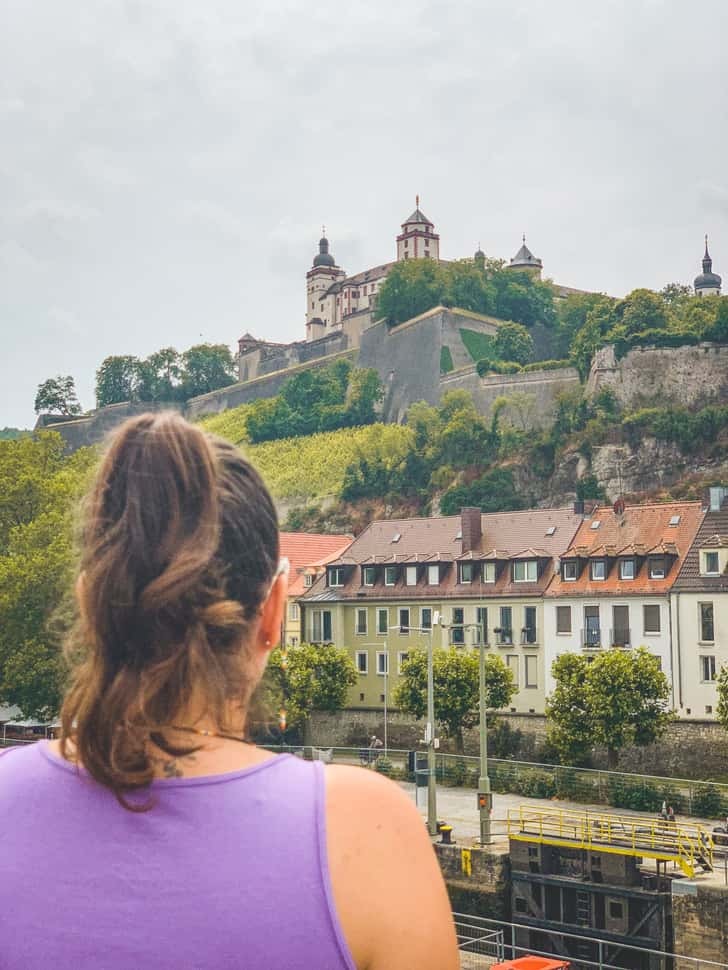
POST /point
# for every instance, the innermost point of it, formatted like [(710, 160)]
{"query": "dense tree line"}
[(324, 399)]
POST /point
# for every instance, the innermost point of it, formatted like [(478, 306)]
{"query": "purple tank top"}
[(224, 872)]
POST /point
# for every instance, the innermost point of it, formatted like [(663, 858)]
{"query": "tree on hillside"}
[(38, 491), (58, 395), (618, 699), (598, 322), (117, 380), (571, 313), (640, 310), (675, 293), (469, 288), (315, 677), (513, 342), (457, 692), (207, 367), (494, 491)]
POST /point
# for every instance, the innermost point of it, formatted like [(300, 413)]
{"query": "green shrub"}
[(547, 365), (385, 767), (639, 796), (487, 366), (446, 363), (478, 345), (533, 783), (655, 338), (708, 802)]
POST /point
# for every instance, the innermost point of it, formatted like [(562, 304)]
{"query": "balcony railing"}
[(591, 639), (529, 636), (505, 637), (620, 637)]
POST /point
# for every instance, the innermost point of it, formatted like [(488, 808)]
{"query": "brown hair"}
[(178, 550)]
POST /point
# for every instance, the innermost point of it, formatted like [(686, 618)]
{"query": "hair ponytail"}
[(179, 545)]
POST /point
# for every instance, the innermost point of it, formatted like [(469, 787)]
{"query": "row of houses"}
[(531, 585)]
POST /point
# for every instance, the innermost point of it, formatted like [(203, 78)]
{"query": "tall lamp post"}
[(485, 797)]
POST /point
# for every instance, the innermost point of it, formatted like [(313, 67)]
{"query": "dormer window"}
[(657, 567), (433, 575), (467, 571), (390, 575), (525, 571), (626, 568), (370, 575), (598, 569), (709, 563), (410, 576), (569, 571), (308, 580), (336, 576), (488, 572)]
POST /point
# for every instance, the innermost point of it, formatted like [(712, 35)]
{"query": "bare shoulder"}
[(384, 873)]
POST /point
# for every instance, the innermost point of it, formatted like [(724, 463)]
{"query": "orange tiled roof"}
[(639, 532), (306, 550)]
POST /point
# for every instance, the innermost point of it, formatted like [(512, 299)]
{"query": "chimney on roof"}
[(471, 528)]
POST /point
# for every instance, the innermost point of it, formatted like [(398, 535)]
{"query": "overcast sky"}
[(166, 165)]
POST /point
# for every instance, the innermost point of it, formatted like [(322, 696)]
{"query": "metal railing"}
[(687, 844), (620, 637), (565, 945), (591, 639), (593, 786)]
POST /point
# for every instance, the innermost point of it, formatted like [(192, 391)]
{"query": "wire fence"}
[(618, 789)]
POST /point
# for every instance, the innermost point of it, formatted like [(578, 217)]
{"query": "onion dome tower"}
[(320, 304), (525, 261), (479, 258), (707, 283)]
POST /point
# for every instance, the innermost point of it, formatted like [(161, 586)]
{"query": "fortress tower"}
[(525, 261), (320, 303), (418, 239), (707, 283)]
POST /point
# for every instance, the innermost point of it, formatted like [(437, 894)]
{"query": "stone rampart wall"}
[(692, 376), (92, 429), (534, 392)]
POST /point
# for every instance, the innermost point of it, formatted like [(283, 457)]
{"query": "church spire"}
[(707, 261)]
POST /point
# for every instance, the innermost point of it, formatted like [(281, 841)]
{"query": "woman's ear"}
[(271, 614)]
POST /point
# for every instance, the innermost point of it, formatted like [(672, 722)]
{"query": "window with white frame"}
[(568, 570), (402, 656), (308, 580), (410, 576), (626, 568), (426, 618), (370, 575), (390, 575), (563, 619), (651, 616), (467, 570), (293, 611), (710, 563), (512, 664), (707, 622), (488, 572), (361, 620), (480, 633), (321, 626), (457, 629), (707, 668), (382, 662), (404, 620), (598, 569), (525, 571), (505, 631), (336, 576), (433, 575), (657, 567), (382, 620), (530, 671), (362, 661)]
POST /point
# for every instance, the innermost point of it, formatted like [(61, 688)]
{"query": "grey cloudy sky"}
[(165, 165)]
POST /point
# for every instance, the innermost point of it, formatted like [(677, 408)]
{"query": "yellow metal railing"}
[(687, 844)]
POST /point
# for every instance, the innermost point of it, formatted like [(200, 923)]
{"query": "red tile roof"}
[(641, 531), (309, 549)]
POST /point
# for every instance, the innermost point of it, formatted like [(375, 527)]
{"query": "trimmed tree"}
[(457, 688), (316, 677), (616, 700), (722, 686)]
